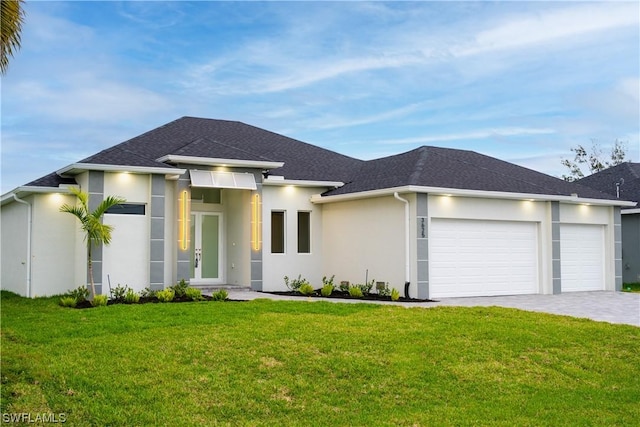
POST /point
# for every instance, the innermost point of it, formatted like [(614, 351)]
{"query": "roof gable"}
[(627, 175)]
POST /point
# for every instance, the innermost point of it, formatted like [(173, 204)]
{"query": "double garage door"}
[(487, 258)]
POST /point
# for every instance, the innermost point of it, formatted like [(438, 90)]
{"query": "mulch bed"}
[(345, 295), (146, 300)]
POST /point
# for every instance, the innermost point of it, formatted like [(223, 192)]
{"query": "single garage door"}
[(482, 258), (582, 257)]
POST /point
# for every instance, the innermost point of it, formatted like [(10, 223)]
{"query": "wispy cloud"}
[(475, 134)]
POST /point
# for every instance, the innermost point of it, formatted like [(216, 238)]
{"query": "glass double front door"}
[(206, 248)]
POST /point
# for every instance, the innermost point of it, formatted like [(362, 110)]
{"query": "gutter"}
[(29, 227), (407, 240)]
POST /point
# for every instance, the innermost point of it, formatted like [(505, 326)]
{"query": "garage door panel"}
[(475, 258), (582, 257)]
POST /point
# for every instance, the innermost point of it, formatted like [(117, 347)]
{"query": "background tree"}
[(96, 232), (10, 28), (593, 160)]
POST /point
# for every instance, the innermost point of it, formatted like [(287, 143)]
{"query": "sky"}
[(521, 81)]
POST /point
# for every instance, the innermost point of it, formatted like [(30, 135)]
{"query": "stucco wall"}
[(275, 266), (367, 234), (14, 247), (631, 248), (53, 245), (238, 219)]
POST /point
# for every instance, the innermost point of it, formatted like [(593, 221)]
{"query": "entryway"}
[(207, 248)]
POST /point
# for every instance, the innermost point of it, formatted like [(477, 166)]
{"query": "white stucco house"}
[(225, 203)]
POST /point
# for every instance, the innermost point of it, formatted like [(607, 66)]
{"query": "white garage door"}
[(582, 257), (482, 258)]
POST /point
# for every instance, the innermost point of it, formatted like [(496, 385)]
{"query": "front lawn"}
[(315, 363)]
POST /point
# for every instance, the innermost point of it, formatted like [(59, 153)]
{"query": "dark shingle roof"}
[(460, 169), (51, 180), (605, 181), (197, 137)]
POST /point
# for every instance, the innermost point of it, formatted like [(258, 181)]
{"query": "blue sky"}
[(521, 81)]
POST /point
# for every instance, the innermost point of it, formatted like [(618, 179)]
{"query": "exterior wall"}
[(598, 215), (53, 242), (126, 259), (367, 234), (504, 210), (275, 266), (630, 248), (13, 231), (171, 234), (238, 218)]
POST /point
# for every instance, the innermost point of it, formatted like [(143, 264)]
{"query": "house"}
[(623, 182), (225, 203)]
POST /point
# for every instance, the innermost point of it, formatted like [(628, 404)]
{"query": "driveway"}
[(603, 306)]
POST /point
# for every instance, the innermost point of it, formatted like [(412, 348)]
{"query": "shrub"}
[(131, 297), (165, 295), (119, 292), (180, 288), (99, 300), (395, 294), (384, 292), (295, 284), (344, 286), (328, 281), (148, 293), (355, 292), (80, 294), (68, 301), (220, 295), (306, 289), (364, 287), (326, 290), (193, 294)]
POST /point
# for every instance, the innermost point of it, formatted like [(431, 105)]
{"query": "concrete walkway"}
[(604, 306)]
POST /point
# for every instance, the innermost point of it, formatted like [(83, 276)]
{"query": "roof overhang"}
[(575, 199), (222, 179), (281, 181), (26, 190), (77, 168), (630, 211), (212, 161)]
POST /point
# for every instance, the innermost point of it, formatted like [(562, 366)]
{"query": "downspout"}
[(29, 226), (407, 264)]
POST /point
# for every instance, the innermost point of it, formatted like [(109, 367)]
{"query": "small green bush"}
[(147, 293), (384, 292), (365, 287), (193, 294), (328, 281), (344, 286), (118, 293), (306, 289), (68, 301), (395, 294), (355, 292), (131, 297), (166, 295), (180, 288), (326, 290), (99, 300), (295, 284), (220, 295), (80, 294)]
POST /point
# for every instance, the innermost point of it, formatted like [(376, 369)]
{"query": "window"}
[(127, 209), (277, 232), (304, 232)]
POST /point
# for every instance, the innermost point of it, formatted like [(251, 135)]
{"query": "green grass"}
[(631, 287), (315, 363)]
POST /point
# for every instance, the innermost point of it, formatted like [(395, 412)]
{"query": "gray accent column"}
[(157, 233), (256, 256), (183, 269), (555, 248), (617, 234), (422, 244), (95, 191)]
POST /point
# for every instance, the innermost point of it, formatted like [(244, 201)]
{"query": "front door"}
[(206, 248)]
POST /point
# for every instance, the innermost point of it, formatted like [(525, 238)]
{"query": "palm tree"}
[(96, 232), (10, 27)]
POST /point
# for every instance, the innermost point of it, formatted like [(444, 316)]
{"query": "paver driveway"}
[(604, 306)]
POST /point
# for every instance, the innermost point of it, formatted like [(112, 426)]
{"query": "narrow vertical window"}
[(304, 232), (277, 232)]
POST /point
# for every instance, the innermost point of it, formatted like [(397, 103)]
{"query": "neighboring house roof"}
[(197, 137), (190, 137), (460, 169), (627, 175)]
